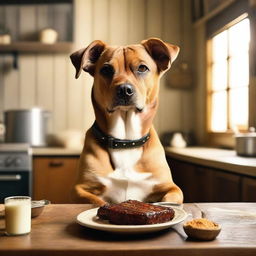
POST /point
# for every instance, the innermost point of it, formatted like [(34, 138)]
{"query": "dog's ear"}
[(162, 53), (86, 58)]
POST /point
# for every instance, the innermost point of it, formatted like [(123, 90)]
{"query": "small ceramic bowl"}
[(37, 207), (205, 233)]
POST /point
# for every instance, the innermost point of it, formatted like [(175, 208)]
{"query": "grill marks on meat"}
[(133, 212)]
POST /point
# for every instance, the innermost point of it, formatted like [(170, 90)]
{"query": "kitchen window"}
[(228, 78)]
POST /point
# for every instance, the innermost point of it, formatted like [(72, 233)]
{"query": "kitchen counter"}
[(55, 232), (216, 158), (55, 151)]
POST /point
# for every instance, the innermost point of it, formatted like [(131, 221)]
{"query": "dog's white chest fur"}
[(125, 182)]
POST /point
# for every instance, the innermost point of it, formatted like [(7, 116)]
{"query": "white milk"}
[(17, 215)]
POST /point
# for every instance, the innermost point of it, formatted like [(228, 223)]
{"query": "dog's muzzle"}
[(125, 95)]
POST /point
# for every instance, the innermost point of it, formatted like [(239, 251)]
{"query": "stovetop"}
[(15, 156), (15, 147)]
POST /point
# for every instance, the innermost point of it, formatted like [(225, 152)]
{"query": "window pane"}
[(239, 37), (219, 76), (219, 47), (239, 71), (219, 112), (239, 107)]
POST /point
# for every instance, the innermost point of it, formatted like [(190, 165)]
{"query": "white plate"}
[(89, 219)]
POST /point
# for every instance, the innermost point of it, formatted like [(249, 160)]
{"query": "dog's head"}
[(125, 77)]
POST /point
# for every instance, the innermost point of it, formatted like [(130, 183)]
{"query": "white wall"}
[(48, 80)]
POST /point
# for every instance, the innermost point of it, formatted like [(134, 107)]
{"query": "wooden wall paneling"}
[(11, 84), (78, 98), (27, 80), (199, 94), (187, 113), (86, 18), (1, 88), (42, 20), (60, 92), (171, 19), (118, 22), (75, 94), (2, 16), (100, 22), (154, 18), (27, 63), (136, 29), (170, 100), (188, 43), (82, 23), (11, 20), (187, 107), (62, 15), (44, 81), (2, 24), (154, 23), (27, 24)]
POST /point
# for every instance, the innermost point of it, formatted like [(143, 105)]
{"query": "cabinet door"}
[(202, 184), (54, 178), (204, 187), (183, 175), (248, 190), (226, 187)]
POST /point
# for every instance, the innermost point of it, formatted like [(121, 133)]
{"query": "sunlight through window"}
[(229, 83)]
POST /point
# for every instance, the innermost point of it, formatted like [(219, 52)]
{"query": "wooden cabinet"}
[(203, 184), (248, 189), (226, 187), (53, 178)]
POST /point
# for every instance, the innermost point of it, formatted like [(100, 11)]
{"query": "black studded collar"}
[(111, 142)]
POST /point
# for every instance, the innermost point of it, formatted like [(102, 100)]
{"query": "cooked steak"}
[(133, 212)]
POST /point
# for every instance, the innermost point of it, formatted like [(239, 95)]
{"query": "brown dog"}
[(122, 156)]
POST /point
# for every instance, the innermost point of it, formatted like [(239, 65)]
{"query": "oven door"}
[(14, 183)]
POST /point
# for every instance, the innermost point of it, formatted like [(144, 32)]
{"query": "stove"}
[(15, 170)]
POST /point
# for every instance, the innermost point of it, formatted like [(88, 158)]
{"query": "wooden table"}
[(55, 232)]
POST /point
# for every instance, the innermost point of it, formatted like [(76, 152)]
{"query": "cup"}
[(17, 215), (48, 36)]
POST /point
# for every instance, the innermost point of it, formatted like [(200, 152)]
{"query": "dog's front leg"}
[(83, 196), (173, 195), (166, 192)]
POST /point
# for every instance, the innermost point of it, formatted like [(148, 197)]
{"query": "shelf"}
[(36, 47)]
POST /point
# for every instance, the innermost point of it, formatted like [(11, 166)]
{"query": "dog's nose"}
[(125, 90)]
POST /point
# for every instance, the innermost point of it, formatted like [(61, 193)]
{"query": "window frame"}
[(225, 139)]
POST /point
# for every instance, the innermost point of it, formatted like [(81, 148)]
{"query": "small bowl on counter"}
[(202, 229), (37, 207)]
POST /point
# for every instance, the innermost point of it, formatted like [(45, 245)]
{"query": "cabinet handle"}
[(56, 164), (10, 177)]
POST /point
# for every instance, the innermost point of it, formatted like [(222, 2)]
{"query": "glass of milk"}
[(17, 215)]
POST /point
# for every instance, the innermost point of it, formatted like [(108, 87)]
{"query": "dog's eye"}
[(107, 70), (142, 68)]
